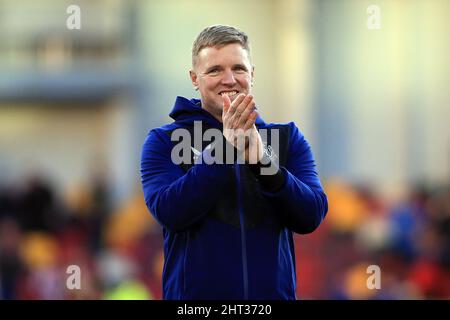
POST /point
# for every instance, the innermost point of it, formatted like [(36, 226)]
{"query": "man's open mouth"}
[(229, 93)]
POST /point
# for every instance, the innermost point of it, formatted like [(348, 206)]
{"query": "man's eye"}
[(241, 69), (213, 71)]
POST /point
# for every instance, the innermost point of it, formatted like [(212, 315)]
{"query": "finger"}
[(250, 121), (244, 116), (226, 103), (241, 107), (236, 103)]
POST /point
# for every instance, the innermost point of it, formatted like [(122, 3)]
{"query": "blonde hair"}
[(219, 36)]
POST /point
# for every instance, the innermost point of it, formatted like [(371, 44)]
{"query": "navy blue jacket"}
[(225, 235)]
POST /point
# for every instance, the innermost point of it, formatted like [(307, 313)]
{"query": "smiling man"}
[(220, 70), (228, 224)]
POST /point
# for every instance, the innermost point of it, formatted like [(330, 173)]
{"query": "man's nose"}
[(228, 78)]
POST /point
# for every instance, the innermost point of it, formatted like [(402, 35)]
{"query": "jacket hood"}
[(187, 111)]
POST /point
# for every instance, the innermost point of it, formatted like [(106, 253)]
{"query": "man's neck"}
[(214, 114)]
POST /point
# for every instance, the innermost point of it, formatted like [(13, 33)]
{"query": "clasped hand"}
[(238, 118)]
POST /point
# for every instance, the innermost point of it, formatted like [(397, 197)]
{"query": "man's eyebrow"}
[(213, 67), (240, 66), (217, 66)]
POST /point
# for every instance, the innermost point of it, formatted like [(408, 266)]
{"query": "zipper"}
[(242, 223)]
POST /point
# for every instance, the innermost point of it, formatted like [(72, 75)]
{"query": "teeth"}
[(230, 93)]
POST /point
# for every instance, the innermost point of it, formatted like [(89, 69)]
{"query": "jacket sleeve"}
[(301, 198), (175, 198)]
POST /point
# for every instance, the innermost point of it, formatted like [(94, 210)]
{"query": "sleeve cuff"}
[(269, 175)]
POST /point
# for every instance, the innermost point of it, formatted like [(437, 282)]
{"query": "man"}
[(227, 223)]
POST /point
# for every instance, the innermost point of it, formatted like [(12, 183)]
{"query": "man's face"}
[(221, 71)]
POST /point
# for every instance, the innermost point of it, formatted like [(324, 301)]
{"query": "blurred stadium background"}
[(75, 107)]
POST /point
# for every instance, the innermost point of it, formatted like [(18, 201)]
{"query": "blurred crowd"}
[(118, 249), (43, 232), (408, 239)]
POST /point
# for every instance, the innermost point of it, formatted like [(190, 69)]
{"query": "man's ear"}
[(253, 74), (194, 78)]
